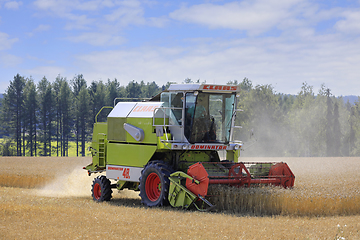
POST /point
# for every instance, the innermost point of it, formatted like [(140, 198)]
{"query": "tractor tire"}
[(154, 184), (101, 189)]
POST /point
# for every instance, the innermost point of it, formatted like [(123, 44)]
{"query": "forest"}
[(42, 119)]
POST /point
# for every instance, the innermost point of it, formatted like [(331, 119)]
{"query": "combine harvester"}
[(168, 148)]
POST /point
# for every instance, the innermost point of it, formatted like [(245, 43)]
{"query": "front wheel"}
[(101, 189), (154, 184)]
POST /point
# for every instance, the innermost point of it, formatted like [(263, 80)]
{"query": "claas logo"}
[(219, 87), (144, 108)]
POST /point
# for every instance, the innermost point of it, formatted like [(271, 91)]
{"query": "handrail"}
[(100, 112), (164, 117)]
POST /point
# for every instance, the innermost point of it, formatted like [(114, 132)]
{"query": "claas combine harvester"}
[(168, 148)]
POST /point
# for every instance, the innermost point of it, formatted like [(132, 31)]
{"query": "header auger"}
[(168, 148)]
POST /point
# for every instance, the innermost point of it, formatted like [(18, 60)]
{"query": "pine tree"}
[(57, 87), (151, 90), (97, 91), (31, 108), (329, 126), (65, 100), (13, 110), (77, 84), (83, 116), (112, 91), (336, 131), (133, 90), (46, 112)]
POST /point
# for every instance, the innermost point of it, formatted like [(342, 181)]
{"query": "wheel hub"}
[(153, 187), (97, 191)]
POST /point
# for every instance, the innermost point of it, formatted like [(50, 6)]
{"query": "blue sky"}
[(279, 42)]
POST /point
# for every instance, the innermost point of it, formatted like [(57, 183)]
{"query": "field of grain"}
[(49, 198), (323, 187)]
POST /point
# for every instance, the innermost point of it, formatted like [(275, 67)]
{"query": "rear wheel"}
[(101, 189), (154, 184)]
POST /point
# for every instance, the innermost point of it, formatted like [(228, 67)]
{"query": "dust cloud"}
[(77, 183), (74, 184)]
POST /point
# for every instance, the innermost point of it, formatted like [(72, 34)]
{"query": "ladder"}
[(101, 150)]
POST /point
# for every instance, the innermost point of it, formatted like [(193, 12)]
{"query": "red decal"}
[(144, 108), (209, 147), (115, 168), (137, 109), (219, 87), (126, 173)]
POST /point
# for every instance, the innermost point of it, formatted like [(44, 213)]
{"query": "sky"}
[(279, 42)]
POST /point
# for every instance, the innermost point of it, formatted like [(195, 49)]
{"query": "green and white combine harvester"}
[(168, 148)]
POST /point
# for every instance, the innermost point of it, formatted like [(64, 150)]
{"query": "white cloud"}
[(126, 15), (54, 6), (13, 5), (50, 72), (98, 39), (252, 16), (296, 53), (78, 12), (286, 64), (351, 23), (132, 12), (260, 16), (108, 3), (79, 22), (40, 28), (100, 23), (9, 60), (6, 42), (63, 6), (40, 60), (157, 21)]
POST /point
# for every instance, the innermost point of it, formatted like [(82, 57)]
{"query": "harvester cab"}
[(169, 148), (199, 117)]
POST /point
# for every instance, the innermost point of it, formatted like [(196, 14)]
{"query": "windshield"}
[(208, 117)]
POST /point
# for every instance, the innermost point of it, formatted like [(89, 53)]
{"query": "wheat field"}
[(323, 187), (50, 198)]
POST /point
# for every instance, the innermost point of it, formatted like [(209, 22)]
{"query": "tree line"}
[(40, 119), (302, 125)]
